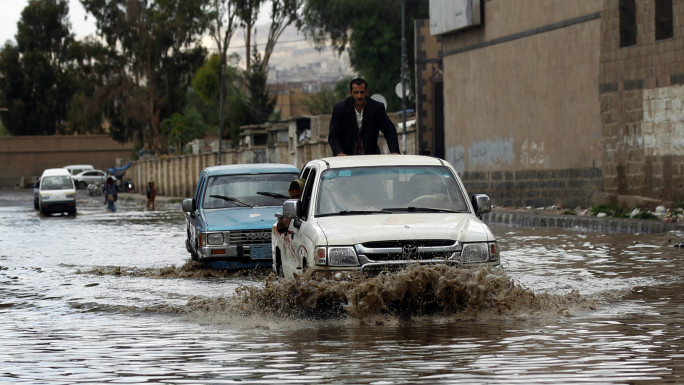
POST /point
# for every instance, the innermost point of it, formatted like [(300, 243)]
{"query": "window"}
[(663, 19), (628, 27)]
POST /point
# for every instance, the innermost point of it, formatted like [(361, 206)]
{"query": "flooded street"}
[(113, 298)]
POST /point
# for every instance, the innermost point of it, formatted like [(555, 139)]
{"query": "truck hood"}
[(353, 229), (241, 218)]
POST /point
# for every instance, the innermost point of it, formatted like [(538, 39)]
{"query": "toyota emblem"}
[(409, 250)]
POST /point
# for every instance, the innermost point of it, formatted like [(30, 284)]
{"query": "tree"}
[(248, 12), (90, 60), (35, 85), (157, 46), (259, 100), (283, 14), (371, 32), (183, 128), (206, 85), (322, 102)]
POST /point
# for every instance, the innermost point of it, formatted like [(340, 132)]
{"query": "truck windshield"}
[(246, 190), (389, 189)]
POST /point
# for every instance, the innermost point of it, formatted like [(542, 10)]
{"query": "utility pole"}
[(220, 143), (403, 72)]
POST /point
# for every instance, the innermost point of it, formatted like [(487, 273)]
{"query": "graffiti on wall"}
[(456, 156), (532, 155), (491, 152), (663, 122)]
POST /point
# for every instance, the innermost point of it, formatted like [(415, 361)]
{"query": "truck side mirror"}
[(188, 205), (481, 203), (291, 208)]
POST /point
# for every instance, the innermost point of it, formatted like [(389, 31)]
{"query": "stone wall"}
[(522, 118), (569, 188), (641, 95), (428, 69)]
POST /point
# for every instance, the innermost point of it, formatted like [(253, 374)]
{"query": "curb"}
[(581, 223)]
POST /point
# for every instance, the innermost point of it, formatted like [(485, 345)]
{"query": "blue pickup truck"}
[(231, 215)]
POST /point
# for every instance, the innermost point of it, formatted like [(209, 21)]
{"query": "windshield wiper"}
[(273, 195), (413, 209), (229, 199), (356, 212)]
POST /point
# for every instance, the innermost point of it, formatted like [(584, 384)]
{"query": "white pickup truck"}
[(381, 212)]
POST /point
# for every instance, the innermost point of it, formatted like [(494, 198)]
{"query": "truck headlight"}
[(336, 256), (475, 252), (70, 195), (215, 239), (480, 252)]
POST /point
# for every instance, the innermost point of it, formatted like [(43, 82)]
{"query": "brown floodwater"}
[(113, 298)]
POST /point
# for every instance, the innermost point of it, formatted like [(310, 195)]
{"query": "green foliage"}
[(182, 128), (207, 80), (3, 130), (36, 85), (260, 101), (569, 212), (645, 215), (342, 88), (609, 209), (613, 210), (320, 102), (156, 45), (371, 32)]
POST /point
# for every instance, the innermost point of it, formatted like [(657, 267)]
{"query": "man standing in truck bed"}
[(356, 123)]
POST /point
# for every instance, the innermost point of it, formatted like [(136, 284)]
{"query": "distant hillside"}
[(295, 60)]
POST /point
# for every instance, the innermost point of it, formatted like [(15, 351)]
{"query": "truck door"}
[(301, 246)]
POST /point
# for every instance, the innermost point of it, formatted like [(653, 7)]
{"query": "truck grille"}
[(410, 250), (250, 237)]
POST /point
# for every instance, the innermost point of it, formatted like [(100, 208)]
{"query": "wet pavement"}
[(112, 298)]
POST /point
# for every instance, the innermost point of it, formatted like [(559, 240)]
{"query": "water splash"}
[(416, 291), (190, 270)]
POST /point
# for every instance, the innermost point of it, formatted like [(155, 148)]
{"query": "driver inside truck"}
[(295, 192)]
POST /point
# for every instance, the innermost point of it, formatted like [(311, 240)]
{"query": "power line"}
[(244, 46)]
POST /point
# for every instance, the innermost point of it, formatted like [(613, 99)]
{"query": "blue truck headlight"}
[(215, 239)]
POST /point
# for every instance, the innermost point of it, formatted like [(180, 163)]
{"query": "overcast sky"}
[(10, 13)]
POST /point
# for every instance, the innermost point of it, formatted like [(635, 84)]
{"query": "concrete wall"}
[(641, 97), (521, 102), (23, 158)]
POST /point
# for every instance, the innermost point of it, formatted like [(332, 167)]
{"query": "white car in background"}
[(382, 212), (83, 179), (78, 168), (56, 192)]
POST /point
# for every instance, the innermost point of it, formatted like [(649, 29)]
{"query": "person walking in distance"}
[(111, 193), (357, 121), (151, 193)]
